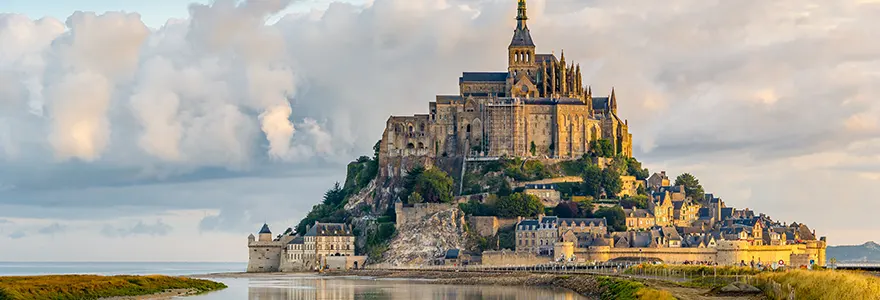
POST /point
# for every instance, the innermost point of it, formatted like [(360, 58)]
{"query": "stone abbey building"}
[(538, 108)]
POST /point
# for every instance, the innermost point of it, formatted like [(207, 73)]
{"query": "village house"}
[(638, 219), (657, 180), (547, 193), (630, 186)]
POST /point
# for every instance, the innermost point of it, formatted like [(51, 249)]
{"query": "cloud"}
[(17, 235), (52, 229), (141, 228), (4, 221)]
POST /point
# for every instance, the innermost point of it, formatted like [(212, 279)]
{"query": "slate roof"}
[(637, 213), (447, 99), (641, 239), (329, 229), (549, 219), (727, 212), (483, 76), (600, 103), (553, 101), (540, 58), (265, 229), (522, 37), (597, 242), (528, 224), (587, 221), (677, 204), (704, 213), (671, 234), (297, 241), (541, 186), (452, 253)]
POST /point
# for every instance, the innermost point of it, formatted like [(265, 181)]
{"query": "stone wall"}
[(345, 262), (483, 226), (727, 253), (406, 213), (509, 258), (563, 179), (507, 223)]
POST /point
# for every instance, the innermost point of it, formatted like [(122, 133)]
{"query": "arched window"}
[(469, 128), (410, 128), (410, 146), (421, 145), (422, 127)]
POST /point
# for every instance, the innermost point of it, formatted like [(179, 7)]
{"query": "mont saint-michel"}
[(526, 166)]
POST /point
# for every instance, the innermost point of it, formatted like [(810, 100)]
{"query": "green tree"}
[(620, 165), (519, 205), (637, 201), (602, 148), (434, 185), (634, 168), (611, 182), (592, 181), (334, 196), (536, 170), (566, 209), (615, 217), (415, 197), (692, 187), (507, 239)]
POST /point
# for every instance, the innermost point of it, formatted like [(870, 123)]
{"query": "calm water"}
[(348, 288), (299, 287)]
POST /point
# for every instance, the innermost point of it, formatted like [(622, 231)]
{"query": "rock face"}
[(424, 237)]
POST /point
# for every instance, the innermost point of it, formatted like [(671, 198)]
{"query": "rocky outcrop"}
[(421, 240)]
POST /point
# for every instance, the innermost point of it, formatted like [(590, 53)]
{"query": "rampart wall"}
[(726, 253), (507, 257)]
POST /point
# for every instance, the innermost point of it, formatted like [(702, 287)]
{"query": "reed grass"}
[(826, 284), (64, 287)]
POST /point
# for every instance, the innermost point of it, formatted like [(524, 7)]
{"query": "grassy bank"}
[(821, 284), (62, 287), (591, 286), (690, 271)]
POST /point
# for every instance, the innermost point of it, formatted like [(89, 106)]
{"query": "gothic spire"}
[(521, 13), (521, 36)]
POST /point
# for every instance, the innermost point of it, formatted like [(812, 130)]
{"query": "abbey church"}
[(538, 108)]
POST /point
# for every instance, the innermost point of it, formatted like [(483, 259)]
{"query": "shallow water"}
[(343, 288)]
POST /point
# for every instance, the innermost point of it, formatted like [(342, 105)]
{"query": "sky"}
[(170, 131)]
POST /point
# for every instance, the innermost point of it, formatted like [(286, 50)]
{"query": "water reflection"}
[(324, 288)]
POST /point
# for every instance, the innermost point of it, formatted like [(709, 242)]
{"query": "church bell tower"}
[(521, 52)]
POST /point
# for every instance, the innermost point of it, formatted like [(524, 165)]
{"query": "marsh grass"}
[(615, 288), (824, 284), (691, 271), (63, 287)]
